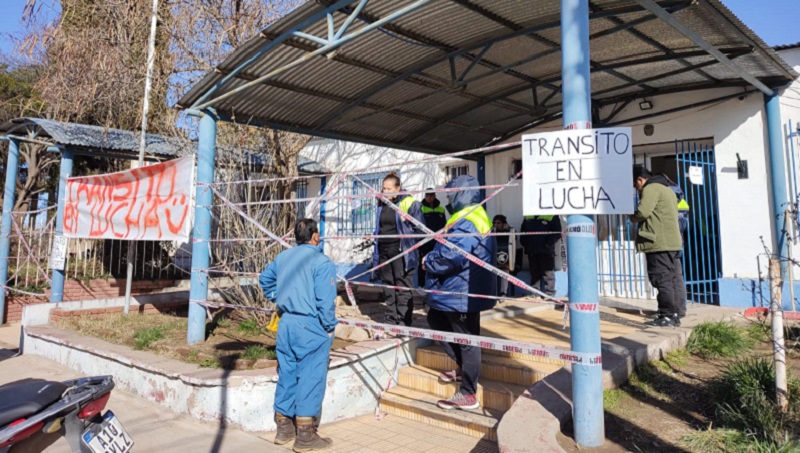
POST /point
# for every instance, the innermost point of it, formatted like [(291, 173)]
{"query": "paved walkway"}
[(156, 429)]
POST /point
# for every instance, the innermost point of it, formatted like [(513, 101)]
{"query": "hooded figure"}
[(452, 272)]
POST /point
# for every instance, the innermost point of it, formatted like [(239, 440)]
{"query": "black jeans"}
[(543, 277), (399, 304), (424, 250), (666, 275), (468, 358)]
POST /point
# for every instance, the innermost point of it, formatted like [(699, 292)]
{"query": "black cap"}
[(499, 218)]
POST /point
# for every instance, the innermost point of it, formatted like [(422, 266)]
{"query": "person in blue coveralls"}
[(449, 271), (400, 272), (302, 283)]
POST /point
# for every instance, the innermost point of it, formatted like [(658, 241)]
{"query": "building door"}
[(702, 255)]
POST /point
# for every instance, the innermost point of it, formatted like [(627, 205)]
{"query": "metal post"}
[(777, 167), (587, 382), (9, 197), (778, 346), (201, 231), (323, 183), (65, 171)]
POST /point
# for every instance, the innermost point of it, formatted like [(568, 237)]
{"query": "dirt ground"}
[(664, 402), (233, 342)]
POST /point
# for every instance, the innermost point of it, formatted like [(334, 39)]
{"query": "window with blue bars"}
[(358, 214), (301, 192)]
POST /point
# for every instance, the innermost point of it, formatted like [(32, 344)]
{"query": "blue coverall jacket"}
[(450, 271), (302, 282)]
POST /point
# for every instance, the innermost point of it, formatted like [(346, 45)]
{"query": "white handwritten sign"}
[(586, 171), (58, 256)]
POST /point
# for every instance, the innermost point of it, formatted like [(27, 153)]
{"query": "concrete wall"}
[(356, 378), (340, 156)]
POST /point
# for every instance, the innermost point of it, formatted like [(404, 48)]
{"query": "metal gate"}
[(702, 260)]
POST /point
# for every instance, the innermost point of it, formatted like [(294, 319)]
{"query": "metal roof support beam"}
[(321, 51), (340, 99), (417, 135), (648, 40), (677, 109), (697, 39), (269, 46), (512, 26), (478, 43)]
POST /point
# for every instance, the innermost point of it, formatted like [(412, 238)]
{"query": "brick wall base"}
[(85, 290)]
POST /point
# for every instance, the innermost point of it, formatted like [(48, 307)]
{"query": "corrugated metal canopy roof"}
[(459, 74), (108, 142)]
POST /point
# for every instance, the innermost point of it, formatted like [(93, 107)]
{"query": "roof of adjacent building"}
[(788, 46), (459, 74), (108, 142)]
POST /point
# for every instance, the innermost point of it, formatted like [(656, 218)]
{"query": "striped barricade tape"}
[(498, 344)]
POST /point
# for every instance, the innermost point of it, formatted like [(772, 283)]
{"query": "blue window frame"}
[(301, 192)]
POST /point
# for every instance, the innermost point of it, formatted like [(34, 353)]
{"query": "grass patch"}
[(718, 339), (733, 441), (677, 358), (257, 351), (121, 328), (210, 363), (644, 378), (250, 327), (745, 396), (144, 338), (612, 398)]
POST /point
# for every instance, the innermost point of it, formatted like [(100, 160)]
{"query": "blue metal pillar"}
[(201, 231), (323, 184), (482, 175), (587, 383), (65, 171), (777, 167), (9, 197)]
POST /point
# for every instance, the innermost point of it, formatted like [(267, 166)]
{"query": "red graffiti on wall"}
[(145, 203)]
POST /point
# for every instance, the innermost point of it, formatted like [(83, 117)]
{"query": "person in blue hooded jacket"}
[(400, 272), (302, 283), (447, 270)]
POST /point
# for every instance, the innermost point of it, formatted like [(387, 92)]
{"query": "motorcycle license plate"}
[(110, 437)]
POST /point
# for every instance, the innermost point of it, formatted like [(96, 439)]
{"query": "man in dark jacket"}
[(541, 250), (659, 238), (400, 271), (433, 213), (449, 271)]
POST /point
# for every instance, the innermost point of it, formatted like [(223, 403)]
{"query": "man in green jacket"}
[(659, 238)]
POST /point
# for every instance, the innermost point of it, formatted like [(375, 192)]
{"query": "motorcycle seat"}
[(21, 399)]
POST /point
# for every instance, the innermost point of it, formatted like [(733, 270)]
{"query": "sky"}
[(776, 21)]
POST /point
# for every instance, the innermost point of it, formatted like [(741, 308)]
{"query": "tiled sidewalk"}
[(397, 435)]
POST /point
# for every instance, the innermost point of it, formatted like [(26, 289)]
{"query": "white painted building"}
[(355, 217)]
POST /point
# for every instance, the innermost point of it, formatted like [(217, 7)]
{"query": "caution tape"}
[(448, 293), (497, 344), (383, 236)]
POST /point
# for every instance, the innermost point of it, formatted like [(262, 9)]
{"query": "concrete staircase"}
[(504, 377)]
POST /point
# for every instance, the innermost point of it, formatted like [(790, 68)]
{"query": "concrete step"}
[(491, 394), (421, 407), (507, 370)]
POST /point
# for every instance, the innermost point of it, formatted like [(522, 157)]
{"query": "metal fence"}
[(87, 259)]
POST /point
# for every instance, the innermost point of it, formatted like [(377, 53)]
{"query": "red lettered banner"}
[(147, 203)]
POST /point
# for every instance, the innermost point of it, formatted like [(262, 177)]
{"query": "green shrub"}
[(147, 336), (718, 339), (745, 396)]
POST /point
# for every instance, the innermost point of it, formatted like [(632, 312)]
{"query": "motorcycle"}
[(35, 407)]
